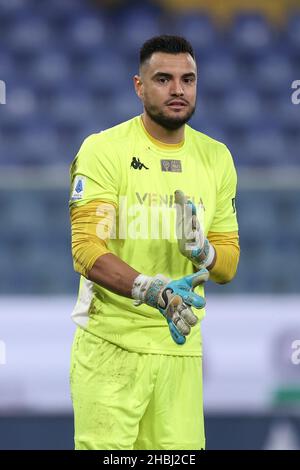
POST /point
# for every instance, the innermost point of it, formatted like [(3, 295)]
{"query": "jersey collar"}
[(158, 143)]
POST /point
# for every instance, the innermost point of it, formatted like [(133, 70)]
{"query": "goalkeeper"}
[(136, 370)]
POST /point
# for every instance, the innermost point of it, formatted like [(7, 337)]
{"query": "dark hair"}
[(164, 43)]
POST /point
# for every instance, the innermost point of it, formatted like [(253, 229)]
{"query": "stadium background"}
[(65, 71)]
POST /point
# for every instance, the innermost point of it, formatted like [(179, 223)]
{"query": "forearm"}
[(114, 274), (212, 264), (226, 264), (227, 253)]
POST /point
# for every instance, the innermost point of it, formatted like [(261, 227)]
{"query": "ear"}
[(138, 86)]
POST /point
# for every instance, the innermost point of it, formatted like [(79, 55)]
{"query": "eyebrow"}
[(169, 75)]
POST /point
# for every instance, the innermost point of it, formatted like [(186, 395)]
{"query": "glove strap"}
[(204, 257), (146, 289), (139, 288)]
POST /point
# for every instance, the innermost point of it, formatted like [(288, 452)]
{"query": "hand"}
[(192, 242), (173, 299)]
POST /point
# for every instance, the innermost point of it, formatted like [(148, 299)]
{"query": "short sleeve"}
[(225, 218), (95, 173)]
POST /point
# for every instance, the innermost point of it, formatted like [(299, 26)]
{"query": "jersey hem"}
[(162, 352)]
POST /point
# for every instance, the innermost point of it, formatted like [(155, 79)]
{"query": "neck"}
[(166, 136)]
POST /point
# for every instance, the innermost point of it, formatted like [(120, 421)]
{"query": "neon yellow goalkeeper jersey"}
[(125, 166)]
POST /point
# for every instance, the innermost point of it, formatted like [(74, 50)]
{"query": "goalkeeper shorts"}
[(126, 400)]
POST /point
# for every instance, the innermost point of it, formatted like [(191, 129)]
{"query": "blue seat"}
[(135, 27), (49, 70), (199, 30), (21, 105), (8, 67), (266, 147), (250, 35), (86, 34), (55, 206), (125, 106), (219, 74), (33, 278), (71, 105), (273, 73), (241, 109), (6, 151), (209, 128), (9, 10), (96, 124), (293, 33), (256, 209), (28, 35), (103, 73), (37, 144), (288, 113), (62, 12), (24, 213), (27, 148), (287, 209)]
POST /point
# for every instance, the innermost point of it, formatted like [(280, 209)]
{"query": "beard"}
[(165, 121)]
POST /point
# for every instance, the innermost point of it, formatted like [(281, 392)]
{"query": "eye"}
[(163, 80), (189, 80)]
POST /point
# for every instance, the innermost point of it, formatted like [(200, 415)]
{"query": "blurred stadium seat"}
[(28, 35), (241, 110), (106, 72), (265, 146), (85, 34), (293, 34), (200, 30), (251, 36), (134, 27), (58, 59), (218, 74), (49, 71), (69, 66), (273, 74)]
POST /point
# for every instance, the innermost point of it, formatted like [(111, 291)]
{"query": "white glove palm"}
[(192, 242)]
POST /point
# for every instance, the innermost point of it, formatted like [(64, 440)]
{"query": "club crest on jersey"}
[(171, 165), (78, 190)]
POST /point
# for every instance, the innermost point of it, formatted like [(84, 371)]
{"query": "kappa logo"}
[(136, 164)]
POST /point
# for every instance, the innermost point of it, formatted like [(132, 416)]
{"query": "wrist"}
[(204, 257)]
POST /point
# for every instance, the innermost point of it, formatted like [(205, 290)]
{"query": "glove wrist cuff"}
[(139, 288), (205, 257), (146, 289)]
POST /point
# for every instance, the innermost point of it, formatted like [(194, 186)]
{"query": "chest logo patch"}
[(171, 165)]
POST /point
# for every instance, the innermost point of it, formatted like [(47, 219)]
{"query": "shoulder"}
[(217, 152), (111, 137), (205, 140)]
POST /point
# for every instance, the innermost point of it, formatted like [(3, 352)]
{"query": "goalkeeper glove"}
[(192, 242), (173, 299)]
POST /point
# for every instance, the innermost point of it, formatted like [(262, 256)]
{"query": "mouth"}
[(177, 104)]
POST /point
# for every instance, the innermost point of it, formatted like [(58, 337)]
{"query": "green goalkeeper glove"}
[(192, 242), (173, 299)]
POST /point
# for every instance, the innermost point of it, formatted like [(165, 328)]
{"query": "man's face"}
[(167, 86)]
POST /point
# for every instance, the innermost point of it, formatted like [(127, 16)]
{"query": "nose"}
[(177, 89)]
